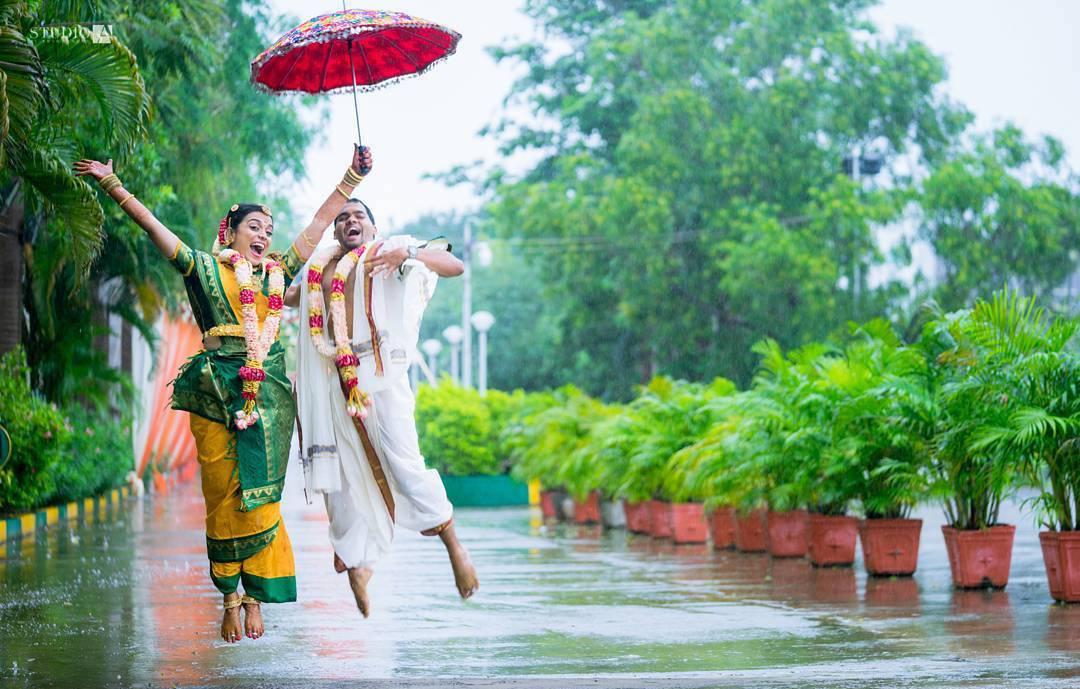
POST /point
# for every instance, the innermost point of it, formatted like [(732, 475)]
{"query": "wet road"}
[(126, 602)]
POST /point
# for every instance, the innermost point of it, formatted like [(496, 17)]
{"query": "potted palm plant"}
[(972, 354), (1030, 377), (784, 444), (547, 429), (881, 432)]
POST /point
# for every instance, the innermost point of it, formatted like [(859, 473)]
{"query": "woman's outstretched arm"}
[(307, 240), (164, 238)]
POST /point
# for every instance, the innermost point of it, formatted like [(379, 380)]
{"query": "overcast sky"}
[(1015, 60)]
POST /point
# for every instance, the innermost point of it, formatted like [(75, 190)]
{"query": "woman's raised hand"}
[(362, 160), (93, 168)]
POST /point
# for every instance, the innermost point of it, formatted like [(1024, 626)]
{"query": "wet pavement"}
[(126, 602)]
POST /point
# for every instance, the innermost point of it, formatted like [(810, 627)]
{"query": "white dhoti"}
[(335, 461)]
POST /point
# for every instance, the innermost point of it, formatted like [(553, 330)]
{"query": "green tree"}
[(1007, 211), (689, 159)]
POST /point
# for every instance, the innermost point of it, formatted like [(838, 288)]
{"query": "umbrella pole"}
[(356, 104)]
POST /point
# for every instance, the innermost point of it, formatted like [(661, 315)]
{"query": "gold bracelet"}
[(308, 241), (351, 177), (110, 182), (126, 199), (343, 193)]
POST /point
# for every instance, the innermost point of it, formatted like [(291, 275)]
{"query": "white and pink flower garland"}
[(357, 401), (258, 343)]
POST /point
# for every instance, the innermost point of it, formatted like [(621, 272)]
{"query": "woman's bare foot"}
[(358, 580), (339, 566), (230, 621), (253, 619)]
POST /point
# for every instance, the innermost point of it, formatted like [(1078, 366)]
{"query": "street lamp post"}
[(482, 321), (453, 335), (432, 348), (481, 254)]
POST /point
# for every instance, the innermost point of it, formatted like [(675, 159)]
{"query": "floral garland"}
[(258, 343), (357, 401)]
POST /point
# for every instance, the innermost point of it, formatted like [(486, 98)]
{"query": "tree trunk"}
[(11, 276)]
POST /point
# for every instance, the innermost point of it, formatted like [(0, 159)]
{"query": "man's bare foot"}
[(339, 566), (230, 621), (464, 572), (358, 580), (253, 619)]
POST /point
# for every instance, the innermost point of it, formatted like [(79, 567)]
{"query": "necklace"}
[(258, 343), (357, 401)]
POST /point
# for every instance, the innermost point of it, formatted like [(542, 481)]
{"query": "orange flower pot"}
[(787, 533), (638, 517), (688, 524), (890, 546), (750, 535), (722, 525), (588, 512), (979, 558), (832, 540), (547, 504), (1061, 556), (659, 519)]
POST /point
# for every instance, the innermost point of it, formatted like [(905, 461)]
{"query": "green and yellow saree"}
[(242, 472)]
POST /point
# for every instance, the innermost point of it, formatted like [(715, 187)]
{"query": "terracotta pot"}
[(979, 558), (722, 525), (787, 533), (588, 511), (890, 546), (638, 517), (688, 524), (659, 519), (750, 536), (832, 540), (547, 504), (1061, 555)]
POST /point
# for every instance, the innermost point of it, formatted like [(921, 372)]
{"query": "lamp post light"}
[(482, 321), (453, 335), (857, 164), (481, 253), (432, 348)]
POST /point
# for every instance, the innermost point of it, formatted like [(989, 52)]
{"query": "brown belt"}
[(373, 459)]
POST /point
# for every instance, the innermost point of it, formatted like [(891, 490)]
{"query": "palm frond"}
[(105, 71)]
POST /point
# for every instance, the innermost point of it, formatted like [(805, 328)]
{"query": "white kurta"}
[(361, 530)]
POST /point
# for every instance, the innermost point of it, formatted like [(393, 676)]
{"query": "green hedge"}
[(459, 429), (58, 454)]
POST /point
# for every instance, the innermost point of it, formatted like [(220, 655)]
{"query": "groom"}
[(355, 405)]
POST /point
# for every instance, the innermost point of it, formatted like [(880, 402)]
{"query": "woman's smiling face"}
[(252, 236)]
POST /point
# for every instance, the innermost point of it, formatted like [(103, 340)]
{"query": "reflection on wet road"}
[(127, 602)]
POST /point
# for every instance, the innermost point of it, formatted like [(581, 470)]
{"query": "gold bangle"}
[(110, 182), (343, 193), (308, 241), (353, 176), (126, 199)]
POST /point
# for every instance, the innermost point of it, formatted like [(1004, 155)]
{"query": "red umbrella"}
[(352, 49)]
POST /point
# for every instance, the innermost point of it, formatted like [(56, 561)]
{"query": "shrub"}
[(456, 432), (97, 456), (38, 435)]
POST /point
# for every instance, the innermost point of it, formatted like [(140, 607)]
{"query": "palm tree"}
[(50, 78)]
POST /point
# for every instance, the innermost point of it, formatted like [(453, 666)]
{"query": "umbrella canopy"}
[(352, 49)]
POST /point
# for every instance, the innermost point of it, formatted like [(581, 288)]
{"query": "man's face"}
[(353, 227)]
